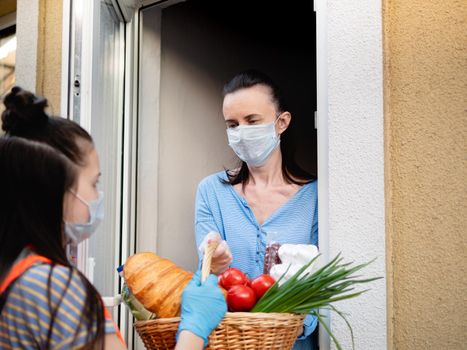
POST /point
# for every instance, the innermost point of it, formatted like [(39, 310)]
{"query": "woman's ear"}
[(283, 122)]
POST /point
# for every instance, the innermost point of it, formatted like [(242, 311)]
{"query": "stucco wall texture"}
[(425, 57)]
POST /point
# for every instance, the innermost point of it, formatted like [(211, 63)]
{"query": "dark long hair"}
[(291, 171), (32, 192), (25, 116), (34, 178)]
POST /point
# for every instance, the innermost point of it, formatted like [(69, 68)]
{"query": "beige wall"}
[(49, 53), (426, 172)]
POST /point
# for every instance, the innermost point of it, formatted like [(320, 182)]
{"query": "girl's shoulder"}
[(56, 271), (41, 278)]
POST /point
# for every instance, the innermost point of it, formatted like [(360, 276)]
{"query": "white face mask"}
[(78, 232), (254, 144)]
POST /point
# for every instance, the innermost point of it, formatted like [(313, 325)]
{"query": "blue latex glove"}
[(203, 307)]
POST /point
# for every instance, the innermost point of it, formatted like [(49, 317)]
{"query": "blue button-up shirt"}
[(219, 207)]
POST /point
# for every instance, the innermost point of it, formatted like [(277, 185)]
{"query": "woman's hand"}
[(222, 257), (203, 307)]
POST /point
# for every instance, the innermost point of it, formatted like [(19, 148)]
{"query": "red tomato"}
[(241, 298), (261, 284), (232, 277)]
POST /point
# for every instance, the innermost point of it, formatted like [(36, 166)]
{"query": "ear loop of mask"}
[(79, 197), (275, 122)]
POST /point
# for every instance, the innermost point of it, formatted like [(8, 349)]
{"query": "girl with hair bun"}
[(49, 169), (25, 116)]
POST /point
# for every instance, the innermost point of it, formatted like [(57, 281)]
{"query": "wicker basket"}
[(237, 331)]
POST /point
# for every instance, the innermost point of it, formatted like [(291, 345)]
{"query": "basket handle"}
[(208, 252)]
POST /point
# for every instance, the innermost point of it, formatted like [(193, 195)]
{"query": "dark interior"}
[(222, 38)]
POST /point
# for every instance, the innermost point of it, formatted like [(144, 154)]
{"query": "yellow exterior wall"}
[(49, 53), (425, 54)]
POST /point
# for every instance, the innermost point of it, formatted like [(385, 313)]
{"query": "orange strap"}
[(20, 267), (117, 330)]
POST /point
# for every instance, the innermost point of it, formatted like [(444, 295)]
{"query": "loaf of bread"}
[(156, 282)]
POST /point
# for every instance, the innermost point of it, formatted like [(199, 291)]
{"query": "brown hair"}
[(25, 117), (291, 171), (33, 189)]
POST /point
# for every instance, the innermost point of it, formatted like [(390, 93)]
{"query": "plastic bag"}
[(293, 257)]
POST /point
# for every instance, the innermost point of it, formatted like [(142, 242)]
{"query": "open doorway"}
[(188, 51)]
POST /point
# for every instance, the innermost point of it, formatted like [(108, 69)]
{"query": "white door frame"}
[(148, 197), (323, 147), (351, 158)]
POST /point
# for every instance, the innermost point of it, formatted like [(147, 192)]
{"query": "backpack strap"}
[(16, 271), (19, 268)]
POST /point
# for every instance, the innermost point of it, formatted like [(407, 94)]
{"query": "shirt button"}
[(257, 260), (257, 253)]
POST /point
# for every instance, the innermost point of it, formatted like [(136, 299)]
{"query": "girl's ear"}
[(283, 122)]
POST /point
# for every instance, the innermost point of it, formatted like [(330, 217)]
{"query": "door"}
[(187, 52)]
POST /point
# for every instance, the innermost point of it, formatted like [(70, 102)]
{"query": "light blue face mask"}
[(254, 144), (78, 232)]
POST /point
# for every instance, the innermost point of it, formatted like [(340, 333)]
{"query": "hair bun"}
[(24, 112)]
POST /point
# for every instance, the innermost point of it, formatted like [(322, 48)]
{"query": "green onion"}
[(306, 292)]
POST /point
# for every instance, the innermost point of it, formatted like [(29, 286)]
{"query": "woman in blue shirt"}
[(268, 195)]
